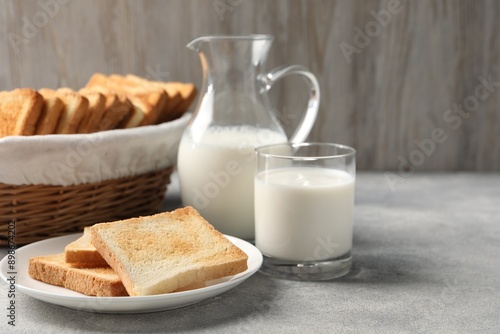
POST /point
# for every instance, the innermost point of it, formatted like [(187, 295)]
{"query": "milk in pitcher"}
[(216, 174)]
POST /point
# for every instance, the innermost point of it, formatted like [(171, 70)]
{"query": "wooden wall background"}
[(395, 90)]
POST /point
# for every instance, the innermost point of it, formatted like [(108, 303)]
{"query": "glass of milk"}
[(304, 205)]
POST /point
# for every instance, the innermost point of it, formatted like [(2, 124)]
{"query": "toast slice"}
[(20, 110), (95, 112), (82, 254), (51, 111), (52, 269), (75, 107), (167, 251)]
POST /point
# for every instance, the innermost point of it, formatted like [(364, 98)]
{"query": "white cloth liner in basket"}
[(86, 158)]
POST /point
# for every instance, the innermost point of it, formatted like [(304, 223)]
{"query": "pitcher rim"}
[(250, 37)]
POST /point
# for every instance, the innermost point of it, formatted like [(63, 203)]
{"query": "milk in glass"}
[(304, 213)]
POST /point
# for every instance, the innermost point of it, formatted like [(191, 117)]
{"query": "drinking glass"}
[(304, 206)]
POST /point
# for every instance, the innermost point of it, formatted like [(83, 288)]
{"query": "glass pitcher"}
[(216, 160)]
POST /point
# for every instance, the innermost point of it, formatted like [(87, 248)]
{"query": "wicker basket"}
[(44, 211)]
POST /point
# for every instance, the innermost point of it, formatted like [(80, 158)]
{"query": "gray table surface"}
[(426, 260)]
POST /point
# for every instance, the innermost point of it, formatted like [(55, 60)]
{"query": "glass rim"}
[(350, 151)]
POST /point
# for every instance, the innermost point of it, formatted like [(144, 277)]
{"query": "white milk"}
[(217, 175), (304, 213)]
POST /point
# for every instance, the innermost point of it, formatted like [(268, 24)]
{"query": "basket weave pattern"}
[(45, 211)]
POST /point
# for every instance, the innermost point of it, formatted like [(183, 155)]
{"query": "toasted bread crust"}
[(114, 263), (52, 269)]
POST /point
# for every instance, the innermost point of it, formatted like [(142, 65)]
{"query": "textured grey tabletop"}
[(426, 260)]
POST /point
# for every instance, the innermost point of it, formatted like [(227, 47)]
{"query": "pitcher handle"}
[(309, 117)]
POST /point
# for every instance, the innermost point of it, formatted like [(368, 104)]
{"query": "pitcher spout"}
[(195, 44)]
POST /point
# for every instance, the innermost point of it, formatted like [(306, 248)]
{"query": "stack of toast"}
[(105, 103), (166, 252)]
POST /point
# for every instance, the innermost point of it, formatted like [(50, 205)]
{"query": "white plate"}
[(139, 304)]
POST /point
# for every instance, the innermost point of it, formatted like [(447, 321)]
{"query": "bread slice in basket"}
[(95, 113), (188, 93), (167, 251), (20, 110), (51, 111), (75, 107)]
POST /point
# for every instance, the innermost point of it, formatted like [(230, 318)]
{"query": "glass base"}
[(307, 271)]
